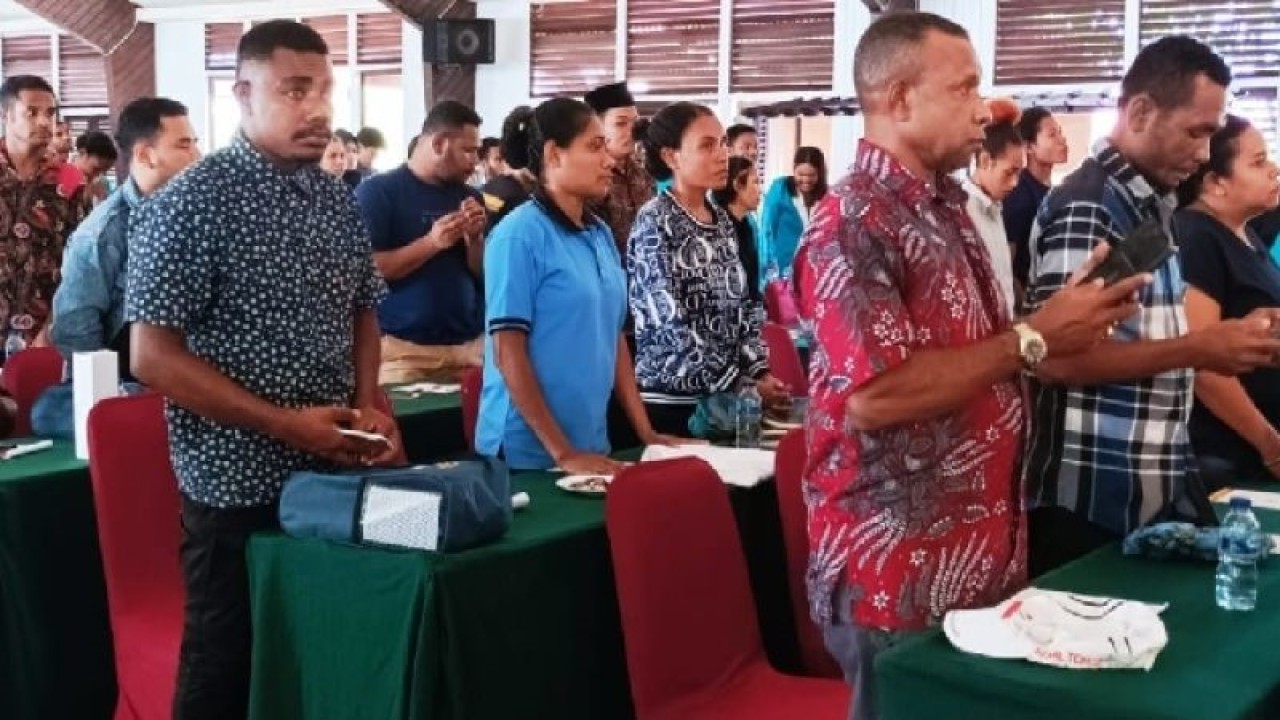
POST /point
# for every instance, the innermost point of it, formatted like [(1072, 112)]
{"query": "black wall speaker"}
[(458, 42)]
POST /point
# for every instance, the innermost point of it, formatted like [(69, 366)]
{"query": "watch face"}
[(1033, 350)]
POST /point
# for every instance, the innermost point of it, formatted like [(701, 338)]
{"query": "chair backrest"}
[(472, 382), (779, 305), (688, 616), (799, 272), (788, 481), (26, 375), (135, 495), (784, 358), (383, 404)]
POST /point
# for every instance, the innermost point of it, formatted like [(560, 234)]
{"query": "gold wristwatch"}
[(1031, 347)]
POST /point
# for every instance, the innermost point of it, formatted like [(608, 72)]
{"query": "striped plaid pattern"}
[(1117, 454)]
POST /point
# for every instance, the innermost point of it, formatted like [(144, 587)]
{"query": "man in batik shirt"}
[(632, 187), (916, 415), (36, 215)]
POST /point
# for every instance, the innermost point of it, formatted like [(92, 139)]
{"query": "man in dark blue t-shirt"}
[(427, 229)]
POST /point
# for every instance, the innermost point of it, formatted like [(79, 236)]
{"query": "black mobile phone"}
[(1143, 250)]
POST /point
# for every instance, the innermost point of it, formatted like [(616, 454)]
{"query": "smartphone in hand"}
[(362, 435), (1142, 251)]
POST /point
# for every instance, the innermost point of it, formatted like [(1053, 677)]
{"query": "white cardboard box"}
[(96, 376)]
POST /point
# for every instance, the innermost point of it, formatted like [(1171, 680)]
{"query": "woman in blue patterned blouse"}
[(697, 328)]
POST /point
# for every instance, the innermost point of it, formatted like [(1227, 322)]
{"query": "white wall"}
[(502, 86), (180, 73), (413, 74), (505, 84), (851, 19), (979, 18)]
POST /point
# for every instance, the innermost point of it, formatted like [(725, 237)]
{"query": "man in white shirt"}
[(999, 163)]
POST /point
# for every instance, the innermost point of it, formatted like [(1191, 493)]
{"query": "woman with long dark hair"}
[(697, 326), (508, 189), (789, 206), (740, 197), (1230, 275), (555, 304)]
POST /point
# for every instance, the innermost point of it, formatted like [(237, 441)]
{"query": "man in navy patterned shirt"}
[(1108, 449), (251, 289)]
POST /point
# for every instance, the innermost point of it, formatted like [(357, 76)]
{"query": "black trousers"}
[(213, 666), (670, 419), (1056, 536)]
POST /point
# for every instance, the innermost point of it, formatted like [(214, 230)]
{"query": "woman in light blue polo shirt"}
[(555, 305)]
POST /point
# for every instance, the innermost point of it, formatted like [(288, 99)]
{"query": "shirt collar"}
[(132, 195), (48, 172), (304, 178), (557, 215), (975, 191), (627, 168), (883, 166), (1119, 167)]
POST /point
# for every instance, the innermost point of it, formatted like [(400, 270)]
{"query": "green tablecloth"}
[(55, 638), (526, 628), (55, 643), (1218, 664), (431, 425)]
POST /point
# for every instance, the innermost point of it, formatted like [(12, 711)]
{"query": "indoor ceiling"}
[(11, 10)]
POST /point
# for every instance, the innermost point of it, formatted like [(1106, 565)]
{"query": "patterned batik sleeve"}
[(862, 325), (753, 356), (172, 260), (511, 275), (659, 315)]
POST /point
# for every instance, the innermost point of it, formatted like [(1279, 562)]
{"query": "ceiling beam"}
[(104, 24), (415, 11)]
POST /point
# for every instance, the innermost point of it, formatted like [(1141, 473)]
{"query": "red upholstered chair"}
[(472, 382), (692, 641), (779, 304), (135, 495), (784, 359), (26, 375), (788, 477), (383, 404)]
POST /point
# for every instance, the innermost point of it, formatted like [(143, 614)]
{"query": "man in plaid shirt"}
[(1108, 450)]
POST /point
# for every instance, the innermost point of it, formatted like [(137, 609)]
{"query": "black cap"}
[(608, 97)]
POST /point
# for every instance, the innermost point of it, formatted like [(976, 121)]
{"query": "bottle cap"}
[(1240, 503)]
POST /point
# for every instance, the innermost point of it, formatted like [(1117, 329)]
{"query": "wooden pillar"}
[(441, 82)]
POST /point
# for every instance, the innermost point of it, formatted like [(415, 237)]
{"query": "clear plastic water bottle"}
[(14, 344), (1240, 543), (750, 411)]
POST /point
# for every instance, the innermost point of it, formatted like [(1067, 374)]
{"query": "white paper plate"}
[(585, 484)]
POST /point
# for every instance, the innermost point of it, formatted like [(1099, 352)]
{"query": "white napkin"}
[(1069, 630), (25, 449), (427, 388), (741, 467)]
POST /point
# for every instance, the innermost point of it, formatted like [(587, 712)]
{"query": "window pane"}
[(383, 108), (341, 99), (224, 113)]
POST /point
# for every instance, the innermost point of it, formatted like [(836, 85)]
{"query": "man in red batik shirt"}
[(916, 414)]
